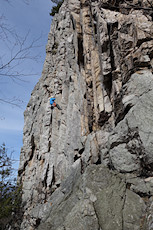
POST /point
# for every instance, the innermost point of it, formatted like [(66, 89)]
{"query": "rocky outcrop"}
[(89, 165)]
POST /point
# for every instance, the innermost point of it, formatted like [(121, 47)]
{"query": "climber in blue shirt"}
[(52, 100), (54, 104)]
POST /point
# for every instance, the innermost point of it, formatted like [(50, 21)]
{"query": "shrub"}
[(56, 8), (10, 192)]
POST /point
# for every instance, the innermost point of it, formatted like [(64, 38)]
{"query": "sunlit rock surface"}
[(89, 166)]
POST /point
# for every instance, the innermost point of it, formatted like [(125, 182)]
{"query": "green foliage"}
[(56, 8), (10, 193), (55, 1)]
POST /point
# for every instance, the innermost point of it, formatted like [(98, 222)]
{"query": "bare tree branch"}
[(22, 52), (10, 102), (16, 52)]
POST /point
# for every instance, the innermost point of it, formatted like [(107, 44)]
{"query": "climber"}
[(53, 104)]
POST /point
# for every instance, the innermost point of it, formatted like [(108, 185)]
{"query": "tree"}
[(56, 1), (18, 50), (56, 8), (10, 192)]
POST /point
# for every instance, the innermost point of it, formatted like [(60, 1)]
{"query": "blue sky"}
[(34, 19)]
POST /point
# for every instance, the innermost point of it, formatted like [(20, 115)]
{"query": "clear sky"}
[(32, 18)]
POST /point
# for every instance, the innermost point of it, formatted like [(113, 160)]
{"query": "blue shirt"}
[(52, 100)]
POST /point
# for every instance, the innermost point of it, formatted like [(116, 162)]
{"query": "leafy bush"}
[(55, 9), (10, 192)]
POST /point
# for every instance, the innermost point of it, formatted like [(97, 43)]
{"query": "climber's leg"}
[(58, 107)]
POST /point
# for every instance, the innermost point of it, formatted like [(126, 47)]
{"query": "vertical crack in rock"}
[(123, 206), (99, 227), (45, 177), (80, 52), (32, 148), (108, 82)]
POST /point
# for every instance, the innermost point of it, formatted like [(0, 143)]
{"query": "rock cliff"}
[(89, 166)]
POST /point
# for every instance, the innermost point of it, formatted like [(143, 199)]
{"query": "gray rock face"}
[(98, 200), (89, 165)]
